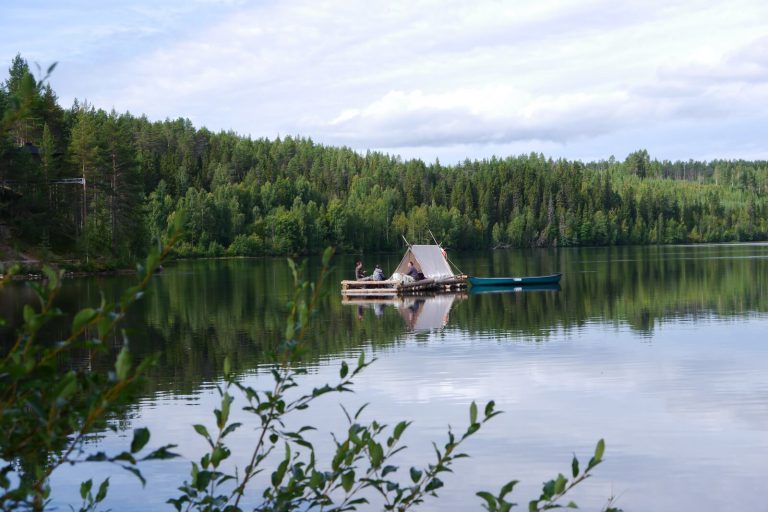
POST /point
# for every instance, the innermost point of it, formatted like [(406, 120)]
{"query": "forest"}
[(90, 185)]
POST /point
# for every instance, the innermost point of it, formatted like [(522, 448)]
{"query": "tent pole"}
[(455, 265), (406, 241)]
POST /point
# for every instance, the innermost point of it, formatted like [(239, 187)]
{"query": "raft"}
[(429, 260)]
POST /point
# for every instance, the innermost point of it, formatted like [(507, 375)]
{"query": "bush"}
[(250, 245)]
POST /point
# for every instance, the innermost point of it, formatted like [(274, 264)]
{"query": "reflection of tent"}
[(427, 313), (430, 260), (423, 313)]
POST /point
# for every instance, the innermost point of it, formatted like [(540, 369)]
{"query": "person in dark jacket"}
[(378, 274), (360, 271), (413, 272)]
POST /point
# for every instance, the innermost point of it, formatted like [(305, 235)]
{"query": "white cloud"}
[(571, 77)]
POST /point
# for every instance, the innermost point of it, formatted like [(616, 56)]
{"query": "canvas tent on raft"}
[(430, 260)]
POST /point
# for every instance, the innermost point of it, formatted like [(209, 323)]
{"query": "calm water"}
[(662, 351)]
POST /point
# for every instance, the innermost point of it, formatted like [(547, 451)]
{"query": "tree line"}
[(83, 181)]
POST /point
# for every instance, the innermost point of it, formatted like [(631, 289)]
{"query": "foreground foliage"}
[(51, 403)]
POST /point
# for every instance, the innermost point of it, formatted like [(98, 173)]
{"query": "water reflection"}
[(477, 290), (661, 350), (198, 312), (419, 313)]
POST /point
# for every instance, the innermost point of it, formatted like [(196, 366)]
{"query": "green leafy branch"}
[(552, 491), (48, 410)]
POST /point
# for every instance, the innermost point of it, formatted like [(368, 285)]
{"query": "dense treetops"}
[(293, 196)]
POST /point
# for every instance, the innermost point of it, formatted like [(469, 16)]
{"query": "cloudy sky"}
[(583, 79)]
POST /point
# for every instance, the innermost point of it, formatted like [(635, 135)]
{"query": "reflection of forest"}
[(200, 311)]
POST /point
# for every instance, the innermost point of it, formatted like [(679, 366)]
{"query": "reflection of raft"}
[(430, 260), (422, 313)]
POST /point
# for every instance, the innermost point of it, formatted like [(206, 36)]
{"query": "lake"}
[(661, 351)]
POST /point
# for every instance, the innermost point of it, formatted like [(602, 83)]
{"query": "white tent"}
[(430, 260)]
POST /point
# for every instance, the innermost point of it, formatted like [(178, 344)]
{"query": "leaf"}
[(415, 475), (377, 455), (53, 277), (508, 488), (348, 480), (598, 457), (575, 467), (490, 500), (399, 428), (130, 296), (103, 326), (277, 475), (28, 314), (473, 413), (317, 480), (560, 484), (219, 453), (123, 363), (102, 491), (344, 369), (360, 411), (162, 453), (202, 479), (599, 450), (548, 490), (387, 470), (140, 439), (230, 428), (137, 473), (489, 408), (180, 217), (433, 485), (153, 259), (66, 387), (471, 430), (327, 255), (125, 456), (81, 318), (226, 402), (294, 271), (85, 488), (290, 328)]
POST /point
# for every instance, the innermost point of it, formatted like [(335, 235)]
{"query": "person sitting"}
[(413, 272), (378, 274), (360, 271)]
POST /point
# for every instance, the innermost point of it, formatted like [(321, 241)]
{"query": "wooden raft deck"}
[(393, 288)]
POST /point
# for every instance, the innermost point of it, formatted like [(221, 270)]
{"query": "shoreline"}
[(26, 275)]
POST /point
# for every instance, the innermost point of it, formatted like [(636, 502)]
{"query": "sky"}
[(447, 80)]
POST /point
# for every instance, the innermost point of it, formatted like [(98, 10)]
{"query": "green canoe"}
[(515, 281)]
